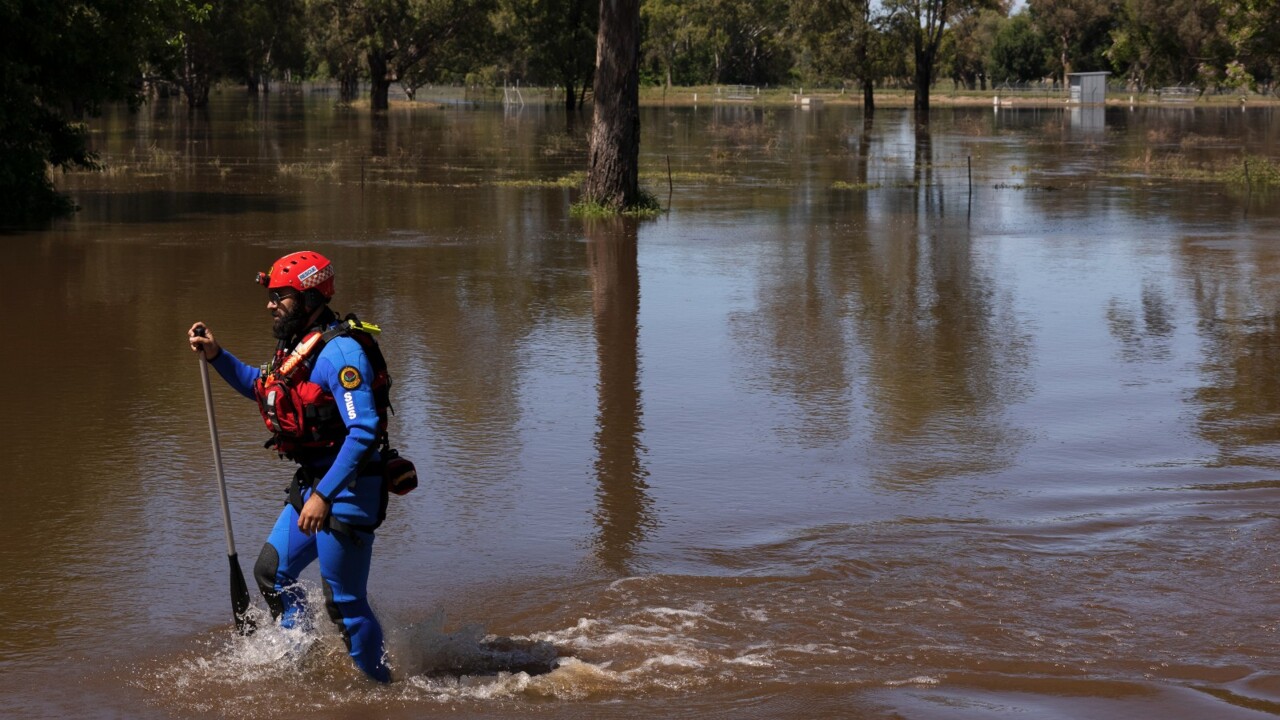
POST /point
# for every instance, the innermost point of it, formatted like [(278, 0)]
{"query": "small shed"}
[(1088, 88)]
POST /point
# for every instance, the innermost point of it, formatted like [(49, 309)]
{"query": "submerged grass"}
[(1247, 170), (151, 161), (309, 170), (855, 187), (646, 206), (573, 179)]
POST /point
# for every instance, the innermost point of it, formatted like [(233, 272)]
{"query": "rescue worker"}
[(317, 397)]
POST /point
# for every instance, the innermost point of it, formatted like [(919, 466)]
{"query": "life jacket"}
[(302, 417)]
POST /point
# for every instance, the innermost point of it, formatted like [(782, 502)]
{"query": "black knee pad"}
[(264, 572)]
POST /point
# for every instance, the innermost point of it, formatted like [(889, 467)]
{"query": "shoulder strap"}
[(309, 344)]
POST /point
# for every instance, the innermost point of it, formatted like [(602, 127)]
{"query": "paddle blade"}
[(240, 598)]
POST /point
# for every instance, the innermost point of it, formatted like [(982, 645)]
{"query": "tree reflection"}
[(623, 511), (945, 354), (1238, 304)]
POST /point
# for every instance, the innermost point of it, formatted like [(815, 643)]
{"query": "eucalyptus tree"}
[(1078, 29), (1163, 42), (334, 42), (390, 37), (717, 41), (925, 23), (435, 33), (1252, 30), (1018, 51), (613, 157), (263, 39), (842, 38), (193, 52), (672, 38), (967, 48), (557, 39)]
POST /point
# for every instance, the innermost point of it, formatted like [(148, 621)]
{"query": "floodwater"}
[(991, 431)]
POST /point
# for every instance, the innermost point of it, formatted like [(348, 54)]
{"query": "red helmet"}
[(301, 271)]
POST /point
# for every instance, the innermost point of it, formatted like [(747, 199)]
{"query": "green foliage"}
[(924, 24), (1018, 52), (1254, 171), (1172, 42), (716, 41), (839, 40), (968, 45), (59, 59), (554, 42), (1076, 31)]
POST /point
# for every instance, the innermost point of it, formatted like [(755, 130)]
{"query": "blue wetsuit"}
[(356, 501)]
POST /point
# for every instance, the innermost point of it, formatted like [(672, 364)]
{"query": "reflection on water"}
[(623, 515), (1237, 303), (885, 447)]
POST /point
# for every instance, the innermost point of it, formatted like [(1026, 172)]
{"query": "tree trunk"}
[(379, 83), (868, 97), (923, 79), (613, 169), (570, 96), (348, 87)]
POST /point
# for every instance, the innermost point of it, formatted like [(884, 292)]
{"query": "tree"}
[(1252, 30), (668, 37), (559, 42), (1074, 27), (1160, 42), (925, 22), (969, 44), (263, 36), (60, 59), (613, 169), (843, 38), (333, 37), (190, 55), (1017, 52)]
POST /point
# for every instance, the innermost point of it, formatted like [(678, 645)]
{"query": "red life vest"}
[(303, 417)]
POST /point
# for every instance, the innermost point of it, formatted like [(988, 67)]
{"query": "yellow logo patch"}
[(349, 377)]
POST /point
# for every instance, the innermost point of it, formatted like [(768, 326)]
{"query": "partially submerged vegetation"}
[(647, 206), (309, 170), (855, 187), (1251, 171)]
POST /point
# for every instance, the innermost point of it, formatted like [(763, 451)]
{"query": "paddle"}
[(239, 592)]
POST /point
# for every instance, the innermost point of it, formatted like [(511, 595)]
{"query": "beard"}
[(291, 324)]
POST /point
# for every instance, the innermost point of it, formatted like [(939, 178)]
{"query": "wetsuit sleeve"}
[(238, 375), (344, 370)]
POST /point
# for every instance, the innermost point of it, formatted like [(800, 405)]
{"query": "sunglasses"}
[(279, 296)]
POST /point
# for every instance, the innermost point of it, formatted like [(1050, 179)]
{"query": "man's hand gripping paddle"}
[(239, 592)]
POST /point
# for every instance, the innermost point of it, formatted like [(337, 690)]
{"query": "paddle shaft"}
[(239, 591)]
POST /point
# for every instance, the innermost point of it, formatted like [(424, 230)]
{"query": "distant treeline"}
[(1208, 44), (61, 59)]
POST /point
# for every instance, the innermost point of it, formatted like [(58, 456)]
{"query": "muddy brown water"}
[(991, 431)]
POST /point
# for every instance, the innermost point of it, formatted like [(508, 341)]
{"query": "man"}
[(319, 398)]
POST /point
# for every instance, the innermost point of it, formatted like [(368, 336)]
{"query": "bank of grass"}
[(646, 206), (1251, 171)]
